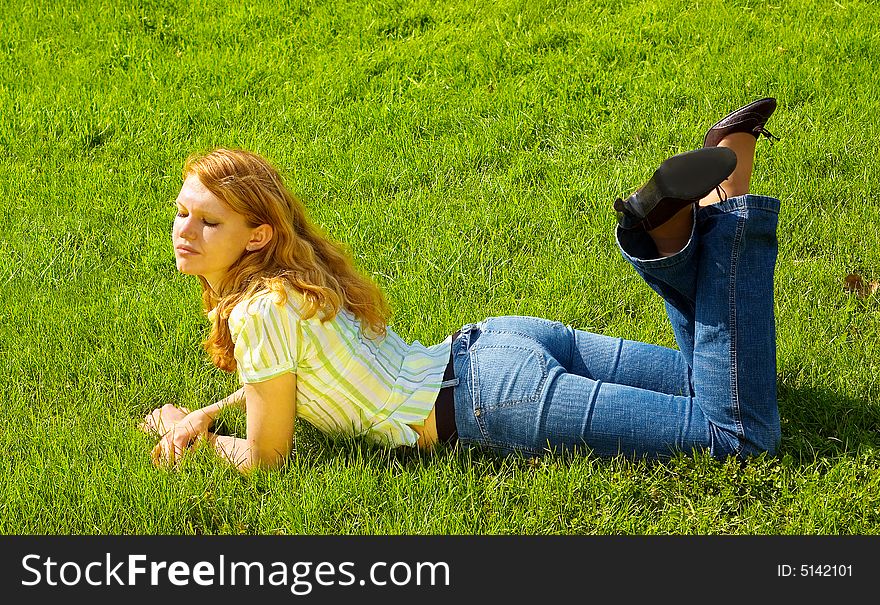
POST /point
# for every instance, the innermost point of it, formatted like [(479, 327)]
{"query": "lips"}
[(185, 250)]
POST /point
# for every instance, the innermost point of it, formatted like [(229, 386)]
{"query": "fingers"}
[(160, 420), (173, 440), (150, 424), (170, 448), (164, 454), (157, 421), (156, 455)]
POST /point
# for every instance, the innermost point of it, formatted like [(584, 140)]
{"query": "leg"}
[(743, 144), (674, 278), (719, 296), (735, 339), (516, 396), (670, 238), (598, 357), (725, 282)]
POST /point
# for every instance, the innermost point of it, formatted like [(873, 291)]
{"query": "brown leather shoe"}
[(680, 181), (749, 118)]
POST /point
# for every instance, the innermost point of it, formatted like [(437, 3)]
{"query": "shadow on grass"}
[(820, 423)]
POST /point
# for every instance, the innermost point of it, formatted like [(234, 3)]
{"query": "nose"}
[(183, 228)]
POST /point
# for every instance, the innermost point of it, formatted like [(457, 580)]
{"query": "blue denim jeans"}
[(532, 385)]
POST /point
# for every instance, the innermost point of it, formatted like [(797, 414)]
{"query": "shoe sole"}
[(693, 174), (680, 180)]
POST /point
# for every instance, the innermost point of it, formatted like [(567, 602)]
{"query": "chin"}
[(182, 267)]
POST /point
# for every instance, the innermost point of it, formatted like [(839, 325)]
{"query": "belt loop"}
[(466, 333)]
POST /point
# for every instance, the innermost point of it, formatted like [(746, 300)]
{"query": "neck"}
[(214, 283)]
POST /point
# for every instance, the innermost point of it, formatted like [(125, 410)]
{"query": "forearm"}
[(234, 450), (236, 400), (241, 454), (271, 411)]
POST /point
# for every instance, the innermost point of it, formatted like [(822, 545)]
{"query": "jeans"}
[(531, 385)]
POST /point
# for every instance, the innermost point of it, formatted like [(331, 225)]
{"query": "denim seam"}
[(523, 334), (617, 355), (475, 396), (588, 421), (681, 257), (734, 374), (572, 344), (748, 201), (508, 447)]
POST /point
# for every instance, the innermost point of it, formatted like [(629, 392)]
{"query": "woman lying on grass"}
[(308, 336)]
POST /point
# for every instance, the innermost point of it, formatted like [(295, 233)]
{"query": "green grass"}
[(467, 153)]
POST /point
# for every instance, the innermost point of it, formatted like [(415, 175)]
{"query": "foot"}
[(679, 183), (743, 145), (739, 131), (749, 119)]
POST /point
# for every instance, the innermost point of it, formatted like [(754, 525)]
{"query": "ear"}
[(260, 236)]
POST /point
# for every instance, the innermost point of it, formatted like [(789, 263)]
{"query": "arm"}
[(265, 360), (178, 427), (237, 399), (271, 411)]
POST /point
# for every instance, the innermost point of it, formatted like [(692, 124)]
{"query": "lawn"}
[(467, 154)]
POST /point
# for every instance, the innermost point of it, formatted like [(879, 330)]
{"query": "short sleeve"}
[(264, 334)]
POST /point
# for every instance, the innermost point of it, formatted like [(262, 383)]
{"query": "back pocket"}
[(506, 375)]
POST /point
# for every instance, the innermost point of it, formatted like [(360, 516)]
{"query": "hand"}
[(179, 436), (161, 420)]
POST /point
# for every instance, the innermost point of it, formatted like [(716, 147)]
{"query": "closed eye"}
[(205, 222)]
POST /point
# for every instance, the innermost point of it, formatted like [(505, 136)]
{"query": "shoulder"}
[(255, 305), (265, 332), (264, 306)]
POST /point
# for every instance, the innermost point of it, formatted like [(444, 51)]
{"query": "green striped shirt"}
[(345, 382)]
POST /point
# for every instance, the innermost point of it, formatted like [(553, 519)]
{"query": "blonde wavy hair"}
[(299, 255)]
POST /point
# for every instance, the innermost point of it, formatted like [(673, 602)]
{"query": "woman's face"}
[(208, 235)]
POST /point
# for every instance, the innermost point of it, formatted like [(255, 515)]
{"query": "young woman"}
[(308, 336)]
